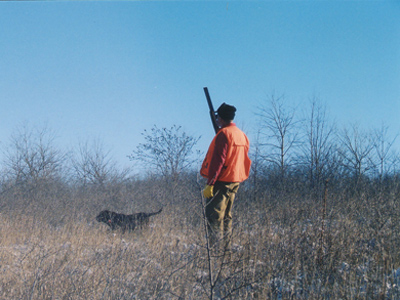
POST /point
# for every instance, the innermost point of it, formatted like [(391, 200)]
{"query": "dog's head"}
[(104, 216)]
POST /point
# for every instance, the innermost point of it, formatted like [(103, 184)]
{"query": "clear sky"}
[(108, 70)]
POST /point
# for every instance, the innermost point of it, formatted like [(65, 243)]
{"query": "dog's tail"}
[(156, 213)]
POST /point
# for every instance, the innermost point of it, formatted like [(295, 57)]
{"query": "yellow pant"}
[(219, 212)]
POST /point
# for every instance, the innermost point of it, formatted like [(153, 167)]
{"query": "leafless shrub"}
[(279, 133), (93, 165), (32, 157), (318, 148), (167, 151), (356, 151)]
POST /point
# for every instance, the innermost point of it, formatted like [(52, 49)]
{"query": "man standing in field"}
[(225, 166)]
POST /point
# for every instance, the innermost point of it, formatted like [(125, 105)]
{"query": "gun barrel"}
[(212, 111)]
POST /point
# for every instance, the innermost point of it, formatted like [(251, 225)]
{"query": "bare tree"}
[(318, 148), (31, 156), (280, 132), (356, 150), (383, 149), (93, 164), (256, 166), (167, 151)]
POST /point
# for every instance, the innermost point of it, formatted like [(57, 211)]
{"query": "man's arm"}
[(218, 158)]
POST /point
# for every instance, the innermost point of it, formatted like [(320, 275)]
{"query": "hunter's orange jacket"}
[(227, 157)]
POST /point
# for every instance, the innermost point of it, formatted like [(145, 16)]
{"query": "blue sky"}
[(108, 70)]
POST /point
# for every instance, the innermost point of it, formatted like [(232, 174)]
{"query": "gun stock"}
[(212, 111)]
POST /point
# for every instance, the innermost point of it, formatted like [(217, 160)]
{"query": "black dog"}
[(126, 222)]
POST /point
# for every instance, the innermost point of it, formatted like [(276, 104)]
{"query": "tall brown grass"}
[(53, 249)]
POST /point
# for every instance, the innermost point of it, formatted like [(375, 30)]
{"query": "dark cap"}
[(226, 112)]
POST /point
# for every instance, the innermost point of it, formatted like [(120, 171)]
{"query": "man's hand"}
[(208, 191)]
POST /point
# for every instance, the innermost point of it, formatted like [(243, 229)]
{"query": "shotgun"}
[(212, 111)]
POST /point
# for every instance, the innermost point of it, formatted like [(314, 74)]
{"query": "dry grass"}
[(277, 255)]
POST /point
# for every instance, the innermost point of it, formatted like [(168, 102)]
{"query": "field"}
[(285, 246)]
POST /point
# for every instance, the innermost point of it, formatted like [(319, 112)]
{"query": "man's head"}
[(226, 112)]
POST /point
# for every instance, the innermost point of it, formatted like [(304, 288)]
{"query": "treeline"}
[(307, 148), (292, 150)]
